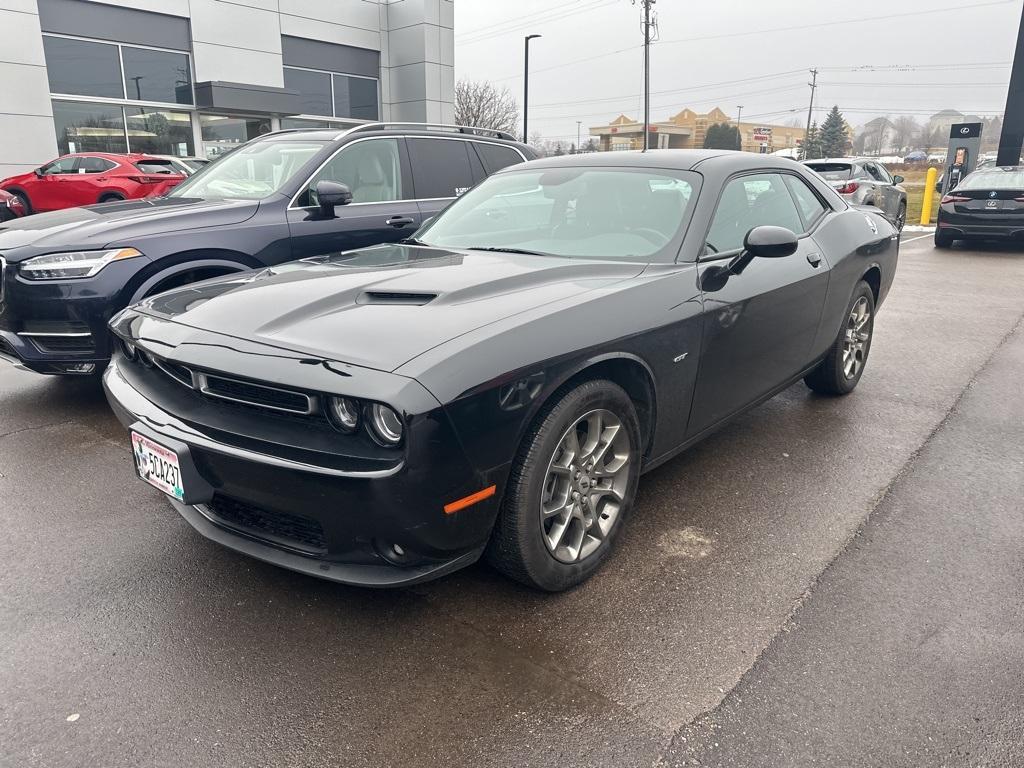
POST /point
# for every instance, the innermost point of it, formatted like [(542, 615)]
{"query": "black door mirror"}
[(329, 194), (768, 242), (38, 172), (897, 179)]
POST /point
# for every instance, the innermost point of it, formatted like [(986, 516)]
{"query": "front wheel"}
[(25, 204), (901, 217), (571, 486), (842, 367), (943, 238)]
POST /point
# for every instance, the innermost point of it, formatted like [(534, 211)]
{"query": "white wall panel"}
[(169, 7), (311, 29), (22, 40), (351, 13), (235, 65), (26, 142), (235, 26)]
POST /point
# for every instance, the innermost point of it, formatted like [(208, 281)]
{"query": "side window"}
[(440, 167), (496, 157), (748, 202), (886, 176), (94, 165), (64, 165), (810, 206), (371, 169), (861, 172), (874, 172)]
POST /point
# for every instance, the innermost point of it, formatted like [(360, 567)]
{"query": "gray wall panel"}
[(107, 22), (314, 54)]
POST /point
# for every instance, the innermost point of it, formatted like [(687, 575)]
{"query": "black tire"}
[(901, 217), (24, 202), (830, 377), (111, 198), (943, 238), (517, 547)]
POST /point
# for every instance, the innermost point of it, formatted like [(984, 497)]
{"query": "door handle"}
[(399, 221), (814, 259)]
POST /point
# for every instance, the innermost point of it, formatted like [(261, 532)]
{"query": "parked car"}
[(274, 199), (983, 163), (498, 383), (987, 204), (184, 165), (917, 156), (85, 179), (10, 206), (865, 182)]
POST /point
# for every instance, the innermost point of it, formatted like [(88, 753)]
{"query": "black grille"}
[(178, 372), (278, 528), (255, 394), (64, 344)]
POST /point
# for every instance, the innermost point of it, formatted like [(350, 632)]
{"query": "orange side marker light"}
[(468, 501)]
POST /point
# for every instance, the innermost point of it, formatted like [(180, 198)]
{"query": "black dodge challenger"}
[(496, 385)]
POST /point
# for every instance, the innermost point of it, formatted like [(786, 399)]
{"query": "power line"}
[(518, 24)]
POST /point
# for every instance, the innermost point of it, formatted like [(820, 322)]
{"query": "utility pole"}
[(578, 124), (810, 108), (739, 114), (648, 24), (526, 83)]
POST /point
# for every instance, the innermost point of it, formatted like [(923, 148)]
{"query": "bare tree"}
[(905, 132), (484, 105)]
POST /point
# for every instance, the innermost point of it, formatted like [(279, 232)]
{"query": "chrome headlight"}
[(343, 413), (386, 424), (60, 266)]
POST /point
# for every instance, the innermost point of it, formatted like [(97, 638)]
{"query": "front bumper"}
[(339, 518)]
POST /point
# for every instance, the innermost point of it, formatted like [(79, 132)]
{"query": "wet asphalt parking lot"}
[(824, 582)]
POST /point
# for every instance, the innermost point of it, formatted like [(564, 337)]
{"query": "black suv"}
[(283, 196)]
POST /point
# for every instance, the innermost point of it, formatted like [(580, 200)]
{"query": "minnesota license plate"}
[(158, 466)]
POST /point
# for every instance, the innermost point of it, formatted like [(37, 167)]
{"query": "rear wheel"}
[(571, 486), (111, 197), (24, 202), (842, 367), (943, 238)]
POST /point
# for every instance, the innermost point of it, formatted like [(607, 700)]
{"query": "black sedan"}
[(496, 385), (987, 204)]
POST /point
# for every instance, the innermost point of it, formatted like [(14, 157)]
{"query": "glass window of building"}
[(355, 97), (89, 127), (314, 87), (159, 131), (83, 68), (222, 133), (298, 122), (156, 75)]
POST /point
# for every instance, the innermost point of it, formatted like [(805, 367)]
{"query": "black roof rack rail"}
[(441, 127)]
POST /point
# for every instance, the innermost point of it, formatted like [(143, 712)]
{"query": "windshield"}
[(597, 213), (995, 179), (251, 172), (832, 171)]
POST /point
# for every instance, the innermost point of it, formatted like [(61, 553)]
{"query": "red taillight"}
[(848, 188), (150, 179), (955, 199)]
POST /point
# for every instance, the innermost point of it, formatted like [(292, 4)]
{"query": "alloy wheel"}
[(585, 486), (855, 342)]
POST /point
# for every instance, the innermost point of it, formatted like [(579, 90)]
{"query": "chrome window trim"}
[(202, 383), (33, 334)]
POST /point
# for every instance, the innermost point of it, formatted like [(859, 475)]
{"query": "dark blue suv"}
[(283, 196)]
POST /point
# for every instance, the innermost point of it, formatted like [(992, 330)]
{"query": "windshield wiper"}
[(507, 250)]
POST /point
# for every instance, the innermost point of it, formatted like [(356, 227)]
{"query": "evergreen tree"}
[(833, 137), (722, 136), (812, 143)]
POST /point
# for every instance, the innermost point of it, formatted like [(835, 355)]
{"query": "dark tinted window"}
[(1011, 178), (95, 165), (355, 97), (82, 68), (155, 165), (314, 89), (89, 127), (810, 206), (832, 171), (874, 172), (63, 165), (440, 167), (160, 131), (496, 157), (748, 202), (156, 76)]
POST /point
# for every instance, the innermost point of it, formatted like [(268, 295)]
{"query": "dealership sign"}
[(762, 133)]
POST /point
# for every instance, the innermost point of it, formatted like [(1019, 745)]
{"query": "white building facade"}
[(199, 77)]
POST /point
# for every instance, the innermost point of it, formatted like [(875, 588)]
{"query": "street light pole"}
[(526, 83), (578, 124)]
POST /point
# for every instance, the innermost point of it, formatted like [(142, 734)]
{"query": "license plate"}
[(158, 466)]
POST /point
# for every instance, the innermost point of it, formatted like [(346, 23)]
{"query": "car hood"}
[(97, 226), (381, 307)]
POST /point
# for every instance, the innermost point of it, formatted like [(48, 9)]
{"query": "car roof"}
[(841, 160), (676, 159), (390, 129)]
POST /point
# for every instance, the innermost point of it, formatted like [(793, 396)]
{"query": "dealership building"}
[(199, 77)]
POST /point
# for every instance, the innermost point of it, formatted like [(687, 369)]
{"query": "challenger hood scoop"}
[(382, 306)]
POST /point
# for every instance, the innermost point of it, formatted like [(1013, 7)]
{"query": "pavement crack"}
[(36, 428), (788, 624)]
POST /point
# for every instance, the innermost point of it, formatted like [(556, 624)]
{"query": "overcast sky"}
[(877, 57)]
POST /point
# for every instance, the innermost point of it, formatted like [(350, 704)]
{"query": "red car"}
[(92, 177), (11, 207)]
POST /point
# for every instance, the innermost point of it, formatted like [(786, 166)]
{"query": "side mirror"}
[(38, 172), (330, 194), (768, 242), (897, 179)]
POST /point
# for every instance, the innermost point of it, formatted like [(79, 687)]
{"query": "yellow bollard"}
[(929, 194)]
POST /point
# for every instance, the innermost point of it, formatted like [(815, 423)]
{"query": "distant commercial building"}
[(687, 129), (199, 77)]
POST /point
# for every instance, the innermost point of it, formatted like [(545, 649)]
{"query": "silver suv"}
[(865, 182)]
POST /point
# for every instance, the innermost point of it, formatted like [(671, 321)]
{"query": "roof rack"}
[(443, 127)]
